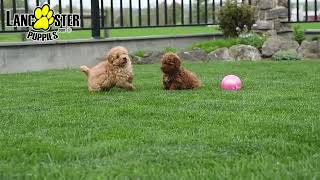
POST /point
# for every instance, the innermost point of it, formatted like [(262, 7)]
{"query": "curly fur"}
[(115, 71), (176, 77)]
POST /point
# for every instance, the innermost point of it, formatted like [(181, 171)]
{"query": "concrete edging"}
[(31, 56)]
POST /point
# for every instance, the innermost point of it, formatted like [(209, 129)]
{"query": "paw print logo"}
[(44, 17)]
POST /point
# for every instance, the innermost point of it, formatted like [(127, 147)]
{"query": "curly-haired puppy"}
[(115, 71), (176, 77)]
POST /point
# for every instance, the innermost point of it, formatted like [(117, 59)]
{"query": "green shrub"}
[(252, 39), (234, 18), (317, 38), (212, 45), (298, 34), (289, 55), (170, 49), (139, 53)]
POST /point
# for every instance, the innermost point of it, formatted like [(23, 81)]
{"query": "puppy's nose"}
[(125, 59)]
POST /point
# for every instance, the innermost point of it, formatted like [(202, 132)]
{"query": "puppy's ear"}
[(177, 61), (85, 69), (109, 58)]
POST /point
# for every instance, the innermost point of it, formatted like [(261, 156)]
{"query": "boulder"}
[(199, 54), (194, 55), (288, 44), (185, 55), (155, 57), (148, 58), (220, 54), (147, 53), (271, 33), (140, 60), (309, 50), (244, 52), (289, 55), (276, 43)]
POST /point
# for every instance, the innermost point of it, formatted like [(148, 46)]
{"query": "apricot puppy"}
[(115, 71)]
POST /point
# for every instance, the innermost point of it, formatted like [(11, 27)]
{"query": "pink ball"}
[(231, 83)]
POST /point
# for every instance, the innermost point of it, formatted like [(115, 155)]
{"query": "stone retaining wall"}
[(270, 14)]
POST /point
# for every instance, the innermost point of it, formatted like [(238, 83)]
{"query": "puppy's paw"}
[(130, 88)]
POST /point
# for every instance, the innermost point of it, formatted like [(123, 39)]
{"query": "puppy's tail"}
[(85, 69)]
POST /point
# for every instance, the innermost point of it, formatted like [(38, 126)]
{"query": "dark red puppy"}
[(176, 77)]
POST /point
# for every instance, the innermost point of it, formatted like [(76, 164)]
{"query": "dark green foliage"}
[(298, 34), (289, 55), (316, 38), (233, 16)]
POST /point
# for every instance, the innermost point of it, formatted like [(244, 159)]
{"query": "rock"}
[(148, 58), (147, 54), (271, 33), (270, 16), (284, 27), (140, 60), (264, 25), (265, 4), (271, 46), (155, 57), (185, 55), (289, 55), (254, 2), (136, 59), (283, 3), (288, 44), (261, 14), (194, 55), (244, 52), (278, 12), (276, 43), (220, 54), (309, 50), (277, 25), (199, 54)]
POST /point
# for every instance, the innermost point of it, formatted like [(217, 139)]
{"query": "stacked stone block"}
[(270, 15)]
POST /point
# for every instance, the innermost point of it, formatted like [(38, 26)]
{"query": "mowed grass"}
[(52, 128), (129, 32), (308, 25)]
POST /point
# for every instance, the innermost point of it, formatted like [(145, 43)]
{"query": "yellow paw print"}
[(44, 18)]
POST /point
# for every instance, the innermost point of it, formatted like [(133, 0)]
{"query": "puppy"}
[(176, 77), (96, 76), (115, 71)]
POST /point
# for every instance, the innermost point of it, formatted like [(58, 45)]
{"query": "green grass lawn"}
[(133, 32), (308, 25), (52, 128)]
